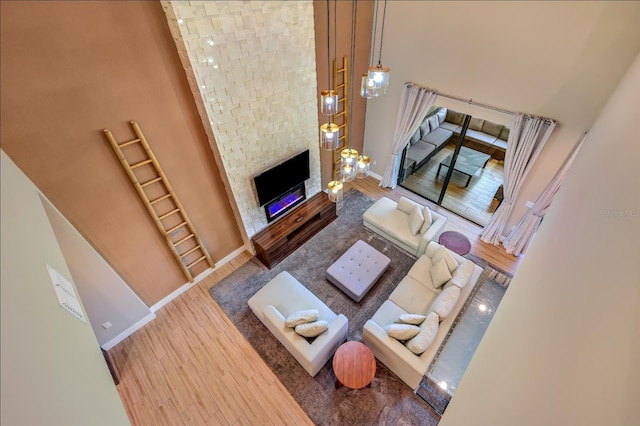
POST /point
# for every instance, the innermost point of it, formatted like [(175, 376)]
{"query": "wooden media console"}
[(282, 237)]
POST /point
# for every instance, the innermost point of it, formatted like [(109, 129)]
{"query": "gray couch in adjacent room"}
[(482, 135)]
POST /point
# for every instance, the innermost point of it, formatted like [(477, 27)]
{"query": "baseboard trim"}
[(197, 279), (129, 331)]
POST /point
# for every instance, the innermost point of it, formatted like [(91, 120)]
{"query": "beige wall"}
[(53, 372), (555, 59), (71, 69), (563, 347)]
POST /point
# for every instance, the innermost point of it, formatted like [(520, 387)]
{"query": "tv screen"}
[(279, 179)]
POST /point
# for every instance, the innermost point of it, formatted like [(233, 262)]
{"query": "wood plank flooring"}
[(474, 202), (191, 366)]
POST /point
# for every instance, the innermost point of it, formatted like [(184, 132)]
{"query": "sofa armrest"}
[(336, 333), (432, 233), (404, 363)]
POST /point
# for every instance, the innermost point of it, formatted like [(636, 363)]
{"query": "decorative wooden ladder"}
[(163, 206), (341, 119)]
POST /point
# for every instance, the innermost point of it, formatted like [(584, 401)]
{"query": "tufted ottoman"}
[(358, 269)]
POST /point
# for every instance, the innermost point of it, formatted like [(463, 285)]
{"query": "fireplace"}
[(285, 202)]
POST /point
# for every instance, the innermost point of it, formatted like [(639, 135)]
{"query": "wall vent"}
[(66, 294)]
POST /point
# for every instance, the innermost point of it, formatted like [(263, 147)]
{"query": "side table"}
[(354, 365)]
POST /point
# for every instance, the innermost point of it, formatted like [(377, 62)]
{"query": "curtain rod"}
[(472, 102)]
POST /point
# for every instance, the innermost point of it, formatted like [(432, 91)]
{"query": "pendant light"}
[(377, 78), (362, 166), (329, 132), (348, 159)]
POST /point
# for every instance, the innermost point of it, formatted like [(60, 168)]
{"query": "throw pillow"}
[(439, 273), (415, 220), (424, 338), (301, 317), (312, 329), (428, 220), (402, 331), (425, 128), (476, 124), (405, 205), (461, 275), (504, 134), (434, 122), (415, 319), (444, 303), (442, 115), (443, 253), (415, 138)]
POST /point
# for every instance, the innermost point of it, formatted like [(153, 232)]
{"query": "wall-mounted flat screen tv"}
[(279, 179)]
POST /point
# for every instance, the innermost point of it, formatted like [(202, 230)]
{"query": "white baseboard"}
[(128, 332), (197, 279), (375, 175)]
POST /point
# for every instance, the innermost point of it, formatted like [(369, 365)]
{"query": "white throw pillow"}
[(414, 319), (402, 331), (444, 303), (301, 317), (443, 253), (439, 273), (462, 274), (424, 338), (312, 329), (415, 220), (405, 205), (428, 220)]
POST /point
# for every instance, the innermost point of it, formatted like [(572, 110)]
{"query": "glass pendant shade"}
[(367, 88), (335, 191), (379, 74), (362, 166), (348, 156), (329, 102), (348, 172), (329, 136)]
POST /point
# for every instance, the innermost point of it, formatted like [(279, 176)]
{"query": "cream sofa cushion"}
[(444, 303), (402, 331), (461, 275), (415, 220), (415, 319), (302, 317), (312, 329), (439, 273), (443, 253), (424, 338), (428, 219)]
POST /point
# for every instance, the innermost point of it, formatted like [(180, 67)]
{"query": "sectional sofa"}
[(419, 293), (443, 125)]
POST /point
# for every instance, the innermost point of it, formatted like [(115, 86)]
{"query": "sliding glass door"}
[(456, 162)]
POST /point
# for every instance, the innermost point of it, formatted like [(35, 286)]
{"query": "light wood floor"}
[(474, 202), (191, 366)]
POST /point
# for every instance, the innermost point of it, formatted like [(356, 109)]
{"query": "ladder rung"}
[(340, 86), (123, 144), (176, 227), (340, 114), (166, 215), (341, 70), (157, 200), (186, 253), (183, 240), (149, 182), (196, 261), (142, 163)]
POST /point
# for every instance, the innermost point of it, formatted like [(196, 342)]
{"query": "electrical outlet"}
[(374, 162), (107, 325)]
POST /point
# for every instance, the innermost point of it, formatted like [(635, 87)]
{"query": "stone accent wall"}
[(252, 64)]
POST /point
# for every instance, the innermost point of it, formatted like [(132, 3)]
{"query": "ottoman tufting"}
[(358, 269)]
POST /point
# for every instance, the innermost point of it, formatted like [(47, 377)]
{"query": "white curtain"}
[(527, 137), (415, 102), (520, 236)]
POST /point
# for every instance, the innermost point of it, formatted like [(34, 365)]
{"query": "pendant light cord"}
[(328, 48), (384, 15), (374, 23), (354, 13)]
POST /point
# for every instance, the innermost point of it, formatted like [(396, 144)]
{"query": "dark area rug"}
[(388, 401)]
